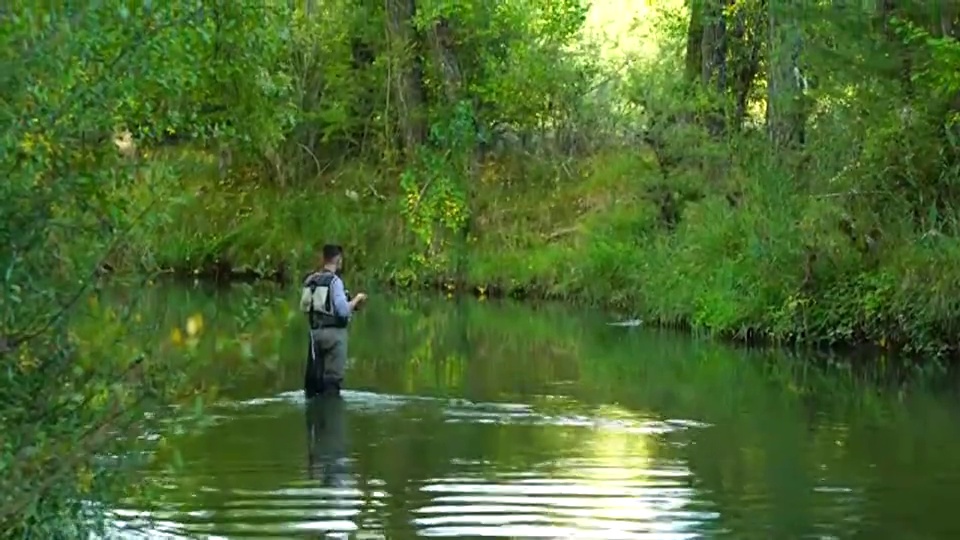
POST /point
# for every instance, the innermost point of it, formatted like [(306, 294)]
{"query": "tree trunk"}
[(694, 59), (713, 56), (442, 46), (744, 59), (949, 11), (441, 42), (903, 54), (785, 80), (724, 58), (406, 74), (713, 45)]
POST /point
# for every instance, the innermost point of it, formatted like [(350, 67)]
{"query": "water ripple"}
[(261, 513), (561, 507), (602, 492), (460, 410), (512, 505)]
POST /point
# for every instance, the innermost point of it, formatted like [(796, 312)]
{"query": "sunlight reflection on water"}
[(611, 489)]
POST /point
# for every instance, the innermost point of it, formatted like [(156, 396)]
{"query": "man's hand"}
[(358, 300)]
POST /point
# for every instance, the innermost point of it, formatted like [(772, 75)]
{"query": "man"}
[(324, 300)]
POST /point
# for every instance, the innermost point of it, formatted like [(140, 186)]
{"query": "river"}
[(467, 418)]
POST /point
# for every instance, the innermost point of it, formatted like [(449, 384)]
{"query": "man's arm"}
[(341, 306)]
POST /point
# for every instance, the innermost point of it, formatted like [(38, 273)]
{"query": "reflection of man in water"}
[(324, 300), (327, 441)]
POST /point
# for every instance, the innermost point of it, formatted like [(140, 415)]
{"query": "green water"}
[(488, 419)]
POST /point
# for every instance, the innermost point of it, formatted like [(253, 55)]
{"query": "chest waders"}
[(327, 352)]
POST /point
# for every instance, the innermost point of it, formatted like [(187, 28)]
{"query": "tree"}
[(71, 79)]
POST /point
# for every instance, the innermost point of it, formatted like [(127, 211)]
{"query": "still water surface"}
[(489, 419)]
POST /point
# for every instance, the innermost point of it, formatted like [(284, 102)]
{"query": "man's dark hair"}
[(331, 251)]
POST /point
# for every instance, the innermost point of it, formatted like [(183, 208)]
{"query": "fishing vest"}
[(317, 302)]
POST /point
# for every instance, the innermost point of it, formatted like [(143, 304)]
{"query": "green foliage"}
[(678, 189), (72, 80), (167, 136), (848, 237), (496, 81), (433, 188), (792, 185)]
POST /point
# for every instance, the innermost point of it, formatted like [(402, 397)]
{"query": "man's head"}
[(333, 257)]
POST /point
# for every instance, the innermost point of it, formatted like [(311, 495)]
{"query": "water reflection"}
[(565, 505), (430, 467), (494, 420), (327, 458), (611, 485), (328, 463)]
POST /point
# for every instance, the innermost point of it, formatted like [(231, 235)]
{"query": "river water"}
[(466, 418)]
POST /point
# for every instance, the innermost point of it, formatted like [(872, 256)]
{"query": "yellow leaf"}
[(194, 324), (27, 363), (85, 481), (176, 336)]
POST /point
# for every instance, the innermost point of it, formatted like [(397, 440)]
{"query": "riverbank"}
[(760, 271)]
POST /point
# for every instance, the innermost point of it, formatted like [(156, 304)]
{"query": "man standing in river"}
[(325, 302)]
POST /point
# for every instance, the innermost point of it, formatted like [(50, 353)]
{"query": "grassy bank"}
[(596, 235)]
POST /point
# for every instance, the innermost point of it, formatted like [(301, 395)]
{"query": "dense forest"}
[(761, 169)]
